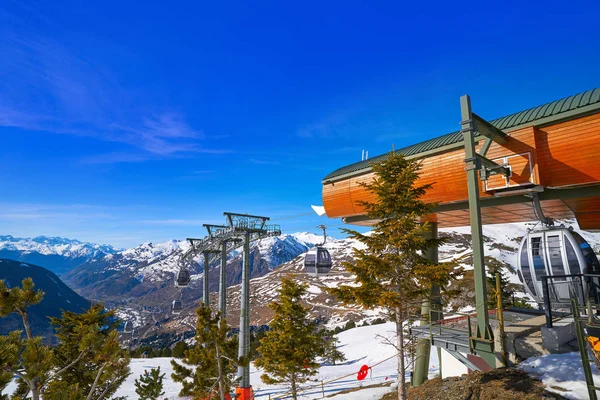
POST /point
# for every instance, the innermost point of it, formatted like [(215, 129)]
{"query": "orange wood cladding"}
[(562, 154)]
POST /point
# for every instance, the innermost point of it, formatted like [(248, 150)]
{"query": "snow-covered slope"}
[(561, 373), (55, 253)]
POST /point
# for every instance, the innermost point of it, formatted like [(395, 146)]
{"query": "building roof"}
[(553, 111)]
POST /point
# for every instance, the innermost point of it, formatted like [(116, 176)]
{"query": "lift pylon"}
[(248, 227)]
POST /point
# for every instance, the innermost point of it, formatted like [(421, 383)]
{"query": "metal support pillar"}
[(483, 340), (205, 298), (430, 312), (223, 282), (244, 338)]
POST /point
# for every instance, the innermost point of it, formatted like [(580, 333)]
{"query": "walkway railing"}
[(560, 289)]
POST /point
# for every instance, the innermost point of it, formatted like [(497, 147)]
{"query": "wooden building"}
[(552, 150)]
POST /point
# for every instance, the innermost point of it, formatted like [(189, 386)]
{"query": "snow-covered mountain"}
[(501, 243), (55, 253), (140, 280), (147, 271)]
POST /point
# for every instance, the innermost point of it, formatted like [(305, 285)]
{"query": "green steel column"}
[(205, 299), (244, 337), (421, 367), (223, 281), (483, 341)]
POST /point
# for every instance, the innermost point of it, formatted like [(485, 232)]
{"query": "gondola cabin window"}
[(537, 256), (572, 258), (555, 256), (525, 269), (588, 254)]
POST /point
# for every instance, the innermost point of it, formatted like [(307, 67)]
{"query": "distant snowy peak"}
[(311, 238), (55, 246), (151, 251)]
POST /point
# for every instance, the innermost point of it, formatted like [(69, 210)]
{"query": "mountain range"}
[(140, 281), (54, 253)]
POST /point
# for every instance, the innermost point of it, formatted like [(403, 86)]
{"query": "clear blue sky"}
[(123, 122)]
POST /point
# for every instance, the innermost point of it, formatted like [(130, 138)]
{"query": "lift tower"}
[(227, 242), (249, 228)]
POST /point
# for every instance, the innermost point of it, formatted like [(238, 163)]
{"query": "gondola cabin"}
[(553, 252), (183, 278), (177, 307), (317, 261)]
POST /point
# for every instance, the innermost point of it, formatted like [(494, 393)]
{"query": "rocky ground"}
[(500, 384)]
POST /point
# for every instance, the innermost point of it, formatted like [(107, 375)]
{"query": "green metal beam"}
[(488, 130), (483, 342), (485, 147), (491, 167)]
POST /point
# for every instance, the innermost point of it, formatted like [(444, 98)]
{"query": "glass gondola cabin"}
[(177, 307), (317, 261), (183, 278), (551, 252)]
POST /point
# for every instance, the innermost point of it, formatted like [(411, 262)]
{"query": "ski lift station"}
[(541, 164)]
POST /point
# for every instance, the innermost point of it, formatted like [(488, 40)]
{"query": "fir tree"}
[(392, 272), (289, 350), (150, 385), (209, 367)]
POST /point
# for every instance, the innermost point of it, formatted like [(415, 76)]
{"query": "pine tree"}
[(289, 350), (103, 365), (209, 367), (494, 266), (26, 358), (85, 336), (5, 379), (179, 349), (150, 385), (392, 272), (331, 353), (18, 299)]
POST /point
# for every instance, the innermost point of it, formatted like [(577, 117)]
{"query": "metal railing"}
[(558, 290)]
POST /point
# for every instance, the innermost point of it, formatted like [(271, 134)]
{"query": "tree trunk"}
[(294, 397), (401, 366), (26, 324), (219, 367), (91, 393)]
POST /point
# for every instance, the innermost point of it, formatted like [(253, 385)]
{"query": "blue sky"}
[(126, 122)]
